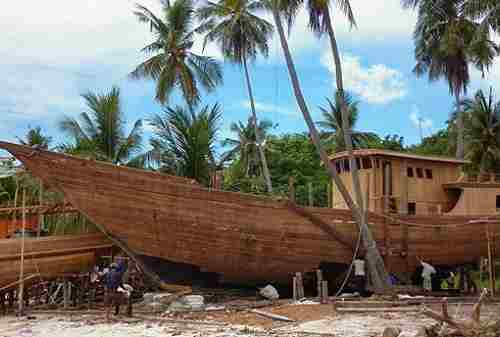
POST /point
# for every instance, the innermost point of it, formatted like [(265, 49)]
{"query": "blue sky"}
[(53, 51)]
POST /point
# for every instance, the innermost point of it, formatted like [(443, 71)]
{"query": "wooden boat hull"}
[(50, 256), (243, 238)]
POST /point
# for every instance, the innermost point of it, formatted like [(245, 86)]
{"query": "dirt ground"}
[(311, 320)]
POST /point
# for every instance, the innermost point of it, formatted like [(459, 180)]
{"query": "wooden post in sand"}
[(291, 189), (40, 212), (319, 279), (491, 262), (20, 297)]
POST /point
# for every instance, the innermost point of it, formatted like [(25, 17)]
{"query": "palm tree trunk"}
[(357, 213), (460, 130), (375, 263), (258, 139)]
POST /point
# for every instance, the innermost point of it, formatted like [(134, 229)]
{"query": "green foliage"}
[(184, 141), (333, 132), (173, 64), (294, 155), (437, 144), (244, 147), (235, 27), (100, 133), (448, 38), (389, 142), (483, 132), (35, 137)]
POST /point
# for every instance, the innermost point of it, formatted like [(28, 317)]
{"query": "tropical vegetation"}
[(241, 36), (100, 131), (173, 63)]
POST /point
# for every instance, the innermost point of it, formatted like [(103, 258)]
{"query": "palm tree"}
[(245, 147), (483, 131), (333, 126), (448, 37), (35, 137), (241, 35), (376, 268), (173, 64), (184, 141), (100, 132)]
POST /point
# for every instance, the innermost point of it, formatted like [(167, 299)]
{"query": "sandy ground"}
[(312, 320)]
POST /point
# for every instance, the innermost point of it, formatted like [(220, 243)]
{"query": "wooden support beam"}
[(319, 280), (16, 283), (330, 230), (491, 261), (310, 194), (300, 286), (21, 271), (324, 292)]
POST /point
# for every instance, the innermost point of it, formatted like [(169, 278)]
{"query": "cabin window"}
[(412, 208), (409, 171), (346, 165), (337, 166), (367, 163), (358, 163), (420, 172), (498, 201), (377, 163), (428, 173)]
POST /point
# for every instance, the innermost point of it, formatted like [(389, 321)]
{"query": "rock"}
[(148, 298), (391, 332), (188, 303), (269, 292)]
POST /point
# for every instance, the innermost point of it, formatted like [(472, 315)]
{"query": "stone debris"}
[(269, 292)]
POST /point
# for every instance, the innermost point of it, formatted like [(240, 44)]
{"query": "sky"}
[(54, 51)]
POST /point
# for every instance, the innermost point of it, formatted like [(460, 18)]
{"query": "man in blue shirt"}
[(113, 280)]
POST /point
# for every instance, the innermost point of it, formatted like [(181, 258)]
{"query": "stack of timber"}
[(50, 256), (244, 238)]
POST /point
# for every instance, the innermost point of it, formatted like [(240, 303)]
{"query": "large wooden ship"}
[(246, 238)]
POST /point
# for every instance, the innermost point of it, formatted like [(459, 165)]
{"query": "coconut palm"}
[(35, 137), (333, 128), (184, 141), (173, 64), (448, 37), (100, 132), (376, 268), (241, 35), (483, 131), (244, 147)]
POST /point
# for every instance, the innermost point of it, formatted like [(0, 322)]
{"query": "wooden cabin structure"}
[(411, 184)]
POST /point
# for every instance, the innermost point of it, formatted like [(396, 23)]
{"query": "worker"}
[(113, 280), (359, 275), (427, 272)]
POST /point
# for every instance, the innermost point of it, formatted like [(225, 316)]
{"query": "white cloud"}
[(422, 123), (271, 108), (376, 84)]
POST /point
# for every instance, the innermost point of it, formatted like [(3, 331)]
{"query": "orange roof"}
[(404, 155)]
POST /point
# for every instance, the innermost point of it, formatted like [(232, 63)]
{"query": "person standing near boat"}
[(113, 280), (359, 275), (427, 272)]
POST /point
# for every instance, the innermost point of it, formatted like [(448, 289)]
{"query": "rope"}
[(346, 278)]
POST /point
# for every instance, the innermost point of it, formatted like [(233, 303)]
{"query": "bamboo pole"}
[(310, 194), (491, 263), (14, 213), (21, 271), (40, 213)]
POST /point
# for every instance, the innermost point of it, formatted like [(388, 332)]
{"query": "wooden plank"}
[(272, 316), (16, 283)]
